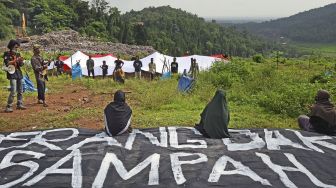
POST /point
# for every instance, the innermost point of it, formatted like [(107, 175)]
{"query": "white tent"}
[(204, 62)]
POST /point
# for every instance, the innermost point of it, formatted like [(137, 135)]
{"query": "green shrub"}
[(258, 58)]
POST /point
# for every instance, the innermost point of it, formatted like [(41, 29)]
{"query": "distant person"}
[(174, 66), (118, 65), (322, 117), (191, 66), (76, 70), (104, 68), (137, 64), (90, 67), (117, 115), (152, 69), (215, 117), (12, 57), (59, 65), (194, 69)]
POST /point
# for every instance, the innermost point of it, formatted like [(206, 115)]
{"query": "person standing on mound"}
[(117, 115), (215, 117)]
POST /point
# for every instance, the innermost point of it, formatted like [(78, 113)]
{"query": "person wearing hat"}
[(38, 65), (12, 57), (322, 117)]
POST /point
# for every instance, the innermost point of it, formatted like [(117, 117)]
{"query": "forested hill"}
[(177, 31), (168, 30), (316, 25)]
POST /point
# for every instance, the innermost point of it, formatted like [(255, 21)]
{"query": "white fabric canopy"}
[(204, 62)]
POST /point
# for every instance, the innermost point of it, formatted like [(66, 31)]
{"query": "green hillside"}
[(313, 26)]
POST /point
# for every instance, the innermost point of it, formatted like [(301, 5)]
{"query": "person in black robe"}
[(215, 117), (322, 117), (117, 115)]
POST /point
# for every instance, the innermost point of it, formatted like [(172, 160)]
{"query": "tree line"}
[(168, 30)]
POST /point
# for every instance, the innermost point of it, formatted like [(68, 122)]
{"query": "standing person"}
[(38, 65), (118, 65), (194, 69), (137, 64), (152, 69), (191, 66), (59, 65), (104, 67), (12, 57), (174, 66), (76, 70), (90, 67), (322, 117), (117, 115)]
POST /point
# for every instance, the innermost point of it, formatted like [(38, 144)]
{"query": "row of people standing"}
[(137, 64)]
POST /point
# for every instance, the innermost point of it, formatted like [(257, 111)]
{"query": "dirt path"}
[(73, 98)]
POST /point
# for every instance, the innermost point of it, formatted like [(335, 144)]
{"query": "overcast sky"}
[(228, 8)]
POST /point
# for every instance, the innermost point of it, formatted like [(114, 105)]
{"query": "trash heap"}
[(71, 41)]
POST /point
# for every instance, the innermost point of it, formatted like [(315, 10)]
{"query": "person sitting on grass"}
[(117, 115), (322, 117), (215, 117)]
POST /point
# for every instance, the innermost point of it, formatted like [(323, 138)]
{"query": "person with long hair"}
[(13, 58)]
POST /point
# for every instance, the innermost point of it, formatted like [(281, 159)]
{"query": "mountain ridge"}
[(315, 25)]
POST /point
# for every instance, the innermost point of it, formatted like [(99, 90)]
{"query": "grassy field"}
[(325, 49), (259, 96)]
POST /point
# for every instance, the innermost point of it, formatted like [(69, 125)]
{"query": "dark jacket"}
[(118, 64), (37, 64), (104, 68), (9, 56), (137, 65), (174, 67), (59, 64), (90, 64), (323, 114)]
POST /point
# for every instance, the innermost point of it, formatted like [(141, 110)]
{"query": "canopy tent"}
[(204, 62)]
